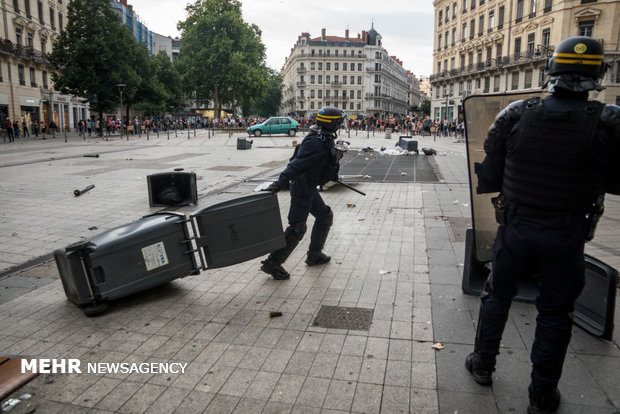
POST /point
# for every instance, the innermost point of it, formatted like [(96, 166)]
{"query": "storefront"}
[(29, 107), (4, 108)]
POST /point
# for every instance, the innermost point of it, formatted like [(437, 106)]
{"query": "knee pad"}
[(327, 219), (296, 230)]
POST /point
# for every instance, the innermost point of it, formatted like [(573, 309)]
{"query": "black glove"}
[(273, 188)]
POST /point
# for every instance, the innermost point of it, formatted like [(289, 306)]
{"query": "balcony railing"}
[(6, 46), (539, 53)]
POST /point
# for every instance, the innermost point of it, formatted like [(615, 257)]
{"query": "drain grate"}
[(387, 168), (339, 317)]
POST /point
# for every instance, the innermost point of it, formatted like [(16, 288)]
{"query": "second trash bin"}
[(244, 143)]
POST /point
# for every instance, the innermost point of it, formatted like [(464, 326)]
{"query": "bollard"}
[(168, 130), (194, 129), (175, 130), (188, 130), (147, 133)]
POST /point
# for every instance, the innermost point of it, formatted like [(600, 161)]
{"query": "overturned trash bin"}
[(170, 189), (594, 309), (166, 246), (244, 143)]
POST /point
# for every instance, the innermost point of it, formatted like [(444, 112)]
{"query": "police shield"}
[(594, 309)]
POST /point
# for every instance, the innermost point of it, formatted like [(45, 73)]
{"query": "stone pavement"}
[(396, 252)]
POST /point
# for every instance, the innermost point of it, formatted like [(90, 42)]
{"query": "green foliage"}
[(91, 55), (222, 57), (426, 107), (268, 104)]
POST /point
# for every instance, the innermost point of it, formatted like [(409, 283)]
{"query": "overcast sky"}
[(405, 25)]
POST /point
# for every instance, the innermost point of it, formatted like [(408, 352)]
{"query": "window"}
[(27, 4), (336, 79), (312, 66), (473, 4), (359, 67), (472, 28), (353, 79), (336, 66), (359, 93), (52, 22), (527, 83), (328, 66), (311, 93), (548, 4), (344, 66), (453, 10), (439, 42), (40, 7), (30, 41), (480, 25), (517, 50), (496, 79), (377, 79), (359, 80), (328, 52), (546, 35), (440, 18), (498, 51), (20, 75), (336, 52), (464, 6), (541, 76), (344, 80), (438, 67), (489, 55), (462, 61), (320, 80), (44, 75), (328, 79), (351, 94), (586, 27), (530, 43), (452, 62), (320, 65), (533, 5), (487, 84), (500, 18), (491, 20), (16, 6), (43, 45), (311, 105), (33, 80), (351, 105), (461, 88), (312, 52), (327, 94), (312, 79), (445, 40), (320, 94), (447, 14), (60, 21), (320, 52), (453, 35), (464, 36), (519, 11), (18, 35), (515, 81), (344, 53)]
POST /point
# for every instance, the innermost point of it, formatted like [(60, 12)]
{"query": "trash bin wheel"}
[(291, 132), (96, 308), (258, 132)]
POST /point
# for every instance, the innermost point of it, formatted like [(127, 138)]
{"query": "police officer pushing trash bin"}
[(552, 160), (314, 163)]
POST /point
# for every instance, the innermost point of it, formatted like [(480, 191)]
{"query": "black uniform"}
[(550, 159), (314, 163)]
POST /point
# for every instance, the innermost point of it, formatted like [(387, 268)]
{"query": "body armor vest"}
[(551, 165)]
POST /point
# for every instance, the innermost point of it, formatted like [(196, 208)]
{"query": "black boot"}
[(543, 402), (275, 270), (316, 258), (481, 370)]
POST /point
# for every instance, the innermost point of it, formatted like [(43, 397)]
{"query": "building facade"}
[(415, 97), (502, 46), (355, 74), (30, 28)]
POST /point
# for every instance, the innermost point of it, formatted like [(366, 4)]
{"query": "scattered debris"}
[(465, 205), (350, 205), (438, 346), (92, 228), (14, 234), (429, 151), (360, 219), (455, 202), (91, 155), (179, 169), (384, 272), (403, 173), (275, 314), (78, 193), (9, 404)]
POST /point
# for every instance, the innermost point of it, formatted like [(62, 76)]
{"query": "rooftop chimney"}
[(346, 34), (322, 34)]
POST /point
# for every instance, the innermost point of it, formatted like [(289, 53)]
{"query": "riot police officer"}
[(314, 163), (551, 159)]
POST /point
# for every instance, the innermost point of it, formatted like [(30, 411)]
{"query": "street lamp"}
[(121, 86)]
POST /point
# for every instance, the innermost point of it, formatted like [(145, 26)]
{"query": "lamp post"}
[(121, 86)]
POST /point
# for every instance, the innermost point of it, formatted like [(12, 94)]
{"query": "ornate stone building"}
[(498, 46), (29, 29), (355, 74)]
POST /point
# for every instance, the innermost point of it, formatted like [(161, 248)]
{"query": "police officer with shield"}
[(314, 163), (552, 160)]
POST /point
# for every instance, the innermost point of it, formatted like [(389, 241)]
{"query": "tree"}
[(426, 107), (269, 103), (168, 76), (93, 55), (222, 57)]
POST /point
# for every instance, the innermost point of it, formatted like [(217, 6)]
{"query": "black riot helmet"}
[(329, 119), (577, 64)]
